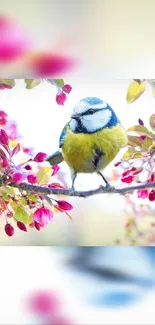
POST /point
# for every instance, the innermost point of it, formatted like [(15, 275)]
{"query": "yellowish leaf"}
[(8, 190), (146, 144), (31, 83), (137, 142), (135, 90), (152, 122), (44, 175), (141, 130)]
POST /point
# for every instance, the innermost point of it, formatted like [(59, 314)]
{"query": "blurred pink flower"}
[(17, 177), (61, 98), (67, 89), (64, 205), (44, 302), (46, 65), (4, 137), (9, 230), (21, 226), (55, 169), (13, 41), (43, 216), (40, 157), (32, 179)]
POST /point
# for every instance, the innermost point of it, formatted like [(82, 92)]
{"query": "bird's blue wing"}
[(63, 135)]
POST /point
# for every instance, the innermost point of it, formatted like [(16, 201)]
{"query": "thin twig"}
[(99, 190)]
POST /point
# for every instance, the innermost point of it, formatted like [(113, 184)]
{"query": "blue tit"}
[(91, 139)]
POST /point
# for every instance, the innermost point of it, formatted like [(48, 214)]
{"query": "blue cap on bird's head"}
[(92, 114)]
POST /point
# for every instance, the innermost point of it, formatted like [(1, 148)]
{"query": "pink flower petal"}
[(64, 205), (61, 98), (17, 177), (43, 216), (40, 157)]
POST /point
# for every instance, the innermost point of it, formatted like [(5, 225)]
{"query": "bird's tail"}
[(55, 159)]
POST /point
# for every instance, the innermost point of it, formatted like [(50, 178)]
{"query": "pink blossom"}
[(4, 139), (55, 169), (41, 156), (61, 98), (5, 163), (21, 226), (37, 225), (43, 216), (67, 89), (3, 114), (9, 230), (17, 177), (127, 179), (64, 205), (152, 195), (142, 194), (32, 179)]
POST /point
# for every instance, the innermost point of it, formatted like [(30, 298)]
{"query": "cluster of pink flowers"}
[(41, 215), (132, 174), (61, 95)]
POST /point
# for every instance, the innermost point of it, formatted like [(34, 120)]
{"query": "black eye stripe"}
[(92, 111)]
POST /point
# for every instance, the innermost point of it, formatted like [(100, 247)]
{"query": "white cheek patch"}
[(97, 120), (73, 124)]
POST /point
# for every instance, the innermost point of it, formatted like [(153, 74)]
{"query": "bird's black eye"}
[(91, 111)]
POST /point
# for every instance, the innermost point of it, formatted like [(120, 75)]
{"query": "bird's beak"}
[(75, 116)]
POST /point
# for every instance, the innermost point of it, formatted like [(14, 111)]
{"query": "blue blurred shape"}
[(115, 299)]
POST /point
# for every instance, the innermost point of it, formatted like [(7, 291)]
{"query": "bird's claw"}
[(71, 190), (108, 187)]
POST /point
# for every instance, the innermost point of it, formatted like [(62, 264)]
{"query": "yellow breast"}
[(79, 148)]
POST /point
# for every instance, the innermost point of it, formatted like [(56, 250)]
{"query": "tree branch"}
[(99, 190)]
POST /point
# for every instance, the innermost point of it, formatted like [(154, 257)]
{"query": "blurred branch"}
[(99, 190)]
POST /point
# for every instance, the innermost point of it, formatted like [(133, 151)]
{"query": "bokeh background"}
[(98, 220), (111, 39), (94, 285)]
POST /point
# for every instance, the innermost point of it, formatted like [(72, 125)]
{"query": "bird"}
[(90, 140)]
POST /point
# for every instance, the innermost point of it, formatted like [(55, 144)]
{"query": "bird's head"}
[(92, 114)]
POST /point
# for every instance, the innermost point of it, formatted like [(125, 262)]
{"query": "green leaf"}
[(9, 82), (137, 155), (59, 82), (33, 198), (135, 90), (31, 83), (5, 197), (21, 215), (44, 175), (126, 155), (141, 130), (146, 144)]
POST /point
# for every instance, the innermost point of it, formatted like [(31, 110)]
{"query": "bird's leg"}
[(106, 182), (73, 176)]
